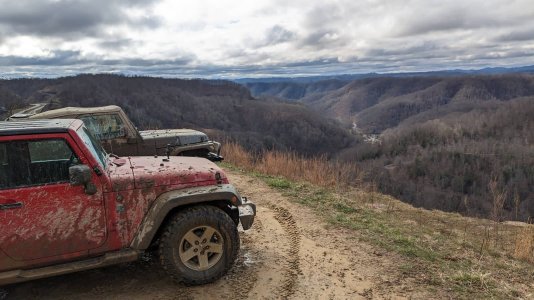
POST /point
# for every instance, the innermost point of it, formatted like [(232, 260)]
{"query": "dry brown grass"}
[(524, 244), (315, 170), (238, 156)]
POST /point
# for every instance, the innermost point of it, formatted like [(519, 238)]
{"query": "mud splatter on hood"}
[(147, 171)]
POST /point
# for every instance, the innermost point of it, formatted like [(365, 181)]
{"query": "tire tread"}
[(204, 212)]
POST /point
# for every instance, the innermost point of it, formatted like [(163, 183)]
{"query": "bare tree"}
[(498, 196)]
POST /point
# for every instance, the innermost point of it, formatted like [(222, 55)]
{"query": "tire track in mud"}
[(292, 270), (290, 265), (240, 288)]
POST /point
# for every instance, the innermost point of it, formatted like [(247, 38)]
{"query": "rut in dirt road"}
[(292, 272)]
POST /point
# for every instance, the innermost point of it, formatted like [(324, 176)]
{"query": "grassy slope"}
[(443, 253)]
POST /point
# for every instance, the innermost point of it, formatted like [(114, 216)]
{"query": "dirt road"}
[(289, 253)]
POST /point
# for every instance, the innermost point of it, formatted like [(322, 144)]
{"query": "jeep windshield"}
[(93, 145)]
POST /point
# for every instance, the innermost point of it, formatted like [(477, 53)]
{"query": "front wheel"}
[(199, 245)]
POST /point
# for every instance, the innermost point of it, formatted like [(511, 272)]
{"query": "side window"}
[(105, 127), (28, 163), (49, 150)]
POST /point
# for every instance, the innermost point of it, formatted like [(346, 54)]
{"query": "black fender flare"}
[(168, 201)]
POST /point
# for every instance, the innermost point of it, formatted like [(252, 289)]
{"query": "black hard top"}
[(35, 126)]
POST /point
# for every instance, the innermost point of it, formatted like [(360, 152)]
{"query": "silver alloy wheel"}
[(201, 248)]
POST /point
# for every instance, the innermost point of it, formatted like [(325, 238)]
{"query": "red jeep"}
[(66, 206)]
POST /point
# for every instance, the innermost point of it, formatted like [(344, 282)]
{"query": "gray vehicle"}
[(120, 136)]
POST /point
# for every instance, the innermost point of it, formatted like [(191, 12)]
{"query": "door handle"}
[(10, 205)]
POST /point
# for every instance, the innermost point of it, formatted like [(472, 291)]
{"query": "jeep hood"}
[(144, 172), (173, 136)]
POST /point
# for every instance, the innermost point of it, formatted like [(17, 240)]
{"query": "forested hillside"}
[(455, 143), (376, 104), (224, 108), (458, 144), (293, 90)]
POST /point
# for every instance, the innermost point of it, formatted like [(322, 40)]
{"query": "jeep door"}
[(43, 218)]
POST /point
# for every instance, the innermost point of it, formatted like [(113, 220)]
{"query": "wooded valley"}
[(460, 143)]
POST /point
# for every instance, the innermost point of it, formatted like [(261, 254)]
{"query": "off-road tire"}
[(185, 222)]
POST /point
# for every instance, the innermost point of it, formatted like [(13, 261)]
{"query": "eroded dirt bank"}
[(289, 253)]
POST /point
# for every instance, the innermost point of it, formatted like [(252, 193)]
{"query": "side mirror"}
[(81, 175)]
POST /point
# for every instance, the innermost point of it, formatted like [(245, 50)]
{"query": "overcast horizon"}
[(229, 39)]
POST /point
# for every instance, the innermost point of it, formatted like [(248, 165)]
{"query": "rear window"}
[(105, 127)]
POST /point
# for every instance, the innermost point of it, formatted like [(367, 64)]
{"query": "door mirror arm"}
[(90, 188)]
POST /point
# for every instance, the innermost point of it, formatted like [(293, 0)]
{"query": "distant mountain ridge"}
[(294, 88)]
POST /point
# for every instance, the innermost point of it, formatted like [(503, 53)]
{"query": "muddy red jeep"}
[(66, 206)]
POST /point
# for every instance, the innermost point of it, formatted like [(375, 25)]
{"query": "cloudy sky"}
[(228, 39)]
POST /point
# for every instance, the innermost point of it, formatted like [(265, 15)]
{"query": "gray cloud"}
[(321, 39), (317, 62), (325, 25), (344, 36), (423, 50), (408, 59), (279, 34), (274, 36), (517, 36), (116, 43), (58, 58), (443, 16), (427, 23), (67, 18), (502, 55), (76, 60), (323, 16), (139, 62), (182, 68)]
